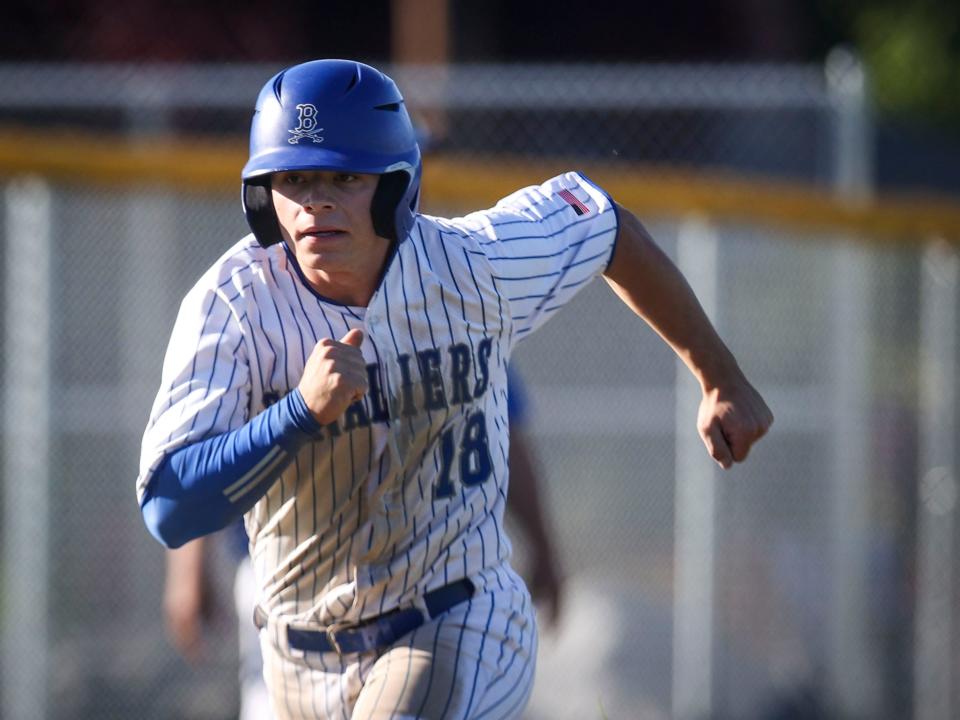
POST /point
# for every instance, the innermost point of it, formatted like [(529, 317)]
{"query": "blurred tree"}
[(912, 51)]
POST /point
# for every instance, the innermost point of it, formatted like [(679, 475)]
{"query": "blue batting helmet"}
[(333, 115)]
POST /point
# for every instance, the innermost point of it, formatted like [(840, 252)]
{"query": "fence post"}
[(934, 664), (851, 676), (27, 445), (694, 503)]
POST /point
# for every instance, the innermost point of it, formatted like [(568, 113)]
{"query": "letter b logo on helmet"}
[(333, 115), (308, 125)]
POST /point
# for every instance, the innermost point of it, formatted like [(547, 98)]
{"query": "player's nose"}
[(318, 196)]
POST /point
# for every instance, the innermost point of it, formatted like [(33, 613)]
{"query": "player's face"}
[(325, 219)]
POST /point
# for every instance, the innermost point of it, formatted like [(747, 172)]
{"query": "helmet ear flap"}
[(261, 215), (386, 199)]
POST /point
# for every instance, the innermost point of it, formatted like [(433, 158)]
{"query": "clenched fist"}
[(334, 377), (732, 417)]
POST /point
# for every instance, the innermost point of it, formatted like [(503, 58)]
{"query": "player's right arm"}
[(204, 463)]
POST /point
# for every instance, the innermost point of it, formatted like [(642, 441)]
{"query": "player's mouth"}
[(320, 233)]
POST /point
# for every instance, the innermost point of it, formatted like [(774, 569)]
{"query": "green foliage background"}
[(912, 51)]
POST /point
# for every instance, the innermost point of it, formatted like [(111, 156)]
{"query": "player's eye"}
[(346, 178)]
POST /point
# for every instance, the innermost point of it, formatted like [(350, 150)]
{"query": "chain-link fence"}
[(815, 581)]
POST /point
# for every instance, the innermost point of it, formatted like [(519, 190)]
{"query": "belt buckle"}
[(331, 633), (368, 633)]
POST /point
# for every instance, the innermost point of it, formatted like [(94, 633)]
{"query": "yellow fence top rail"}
[(464, 183)]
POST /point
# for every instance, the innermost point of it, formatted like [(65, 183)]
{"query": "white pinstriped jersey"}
[(406, 491)]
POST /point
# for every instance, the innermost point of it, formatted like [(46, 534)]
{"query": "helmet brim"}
[(301, 158)]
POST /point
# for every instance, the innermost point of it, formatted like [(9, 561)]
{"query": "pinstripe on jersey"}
[(405, 492)]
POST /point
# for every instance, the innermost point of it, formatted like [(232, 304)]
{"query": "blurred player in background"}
[(189, 600)]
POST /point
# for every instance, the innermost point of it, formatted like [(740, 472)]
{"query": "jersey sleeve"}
[(545, 243), (204, 387)]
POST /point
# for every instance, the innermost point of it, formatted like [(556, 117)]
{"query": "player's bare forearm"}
[(650, 284), (732, 413)]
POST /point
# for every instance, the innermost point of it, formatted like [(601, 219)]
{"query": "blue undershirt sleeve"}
[(203, 487)]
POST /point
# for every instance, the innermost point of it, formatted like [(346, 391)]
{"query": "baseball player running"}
[(338, 377)]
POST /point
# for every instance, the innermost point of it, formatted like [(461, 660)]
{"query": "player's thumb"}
[(353, 337)]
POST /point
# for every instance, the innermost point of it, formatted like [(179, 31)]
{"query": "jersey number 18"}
[(475, 461)]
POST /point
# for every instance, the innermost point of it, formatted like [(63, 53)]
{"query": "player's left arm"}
[(732, 414)]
